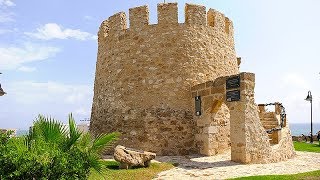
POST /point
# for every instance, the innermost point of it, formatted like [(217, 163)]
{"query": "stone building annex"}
[(175, 88)]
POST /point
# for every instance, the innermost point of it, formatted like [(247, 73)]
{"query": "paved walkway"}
[(221, 167)]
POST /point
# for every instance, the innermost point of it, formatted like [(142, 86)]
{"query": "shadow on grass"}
[(113, 165)]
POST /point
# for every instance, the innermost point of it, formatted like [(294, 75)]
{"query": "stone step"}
[(269, 115), (268, 119), (271, 123)]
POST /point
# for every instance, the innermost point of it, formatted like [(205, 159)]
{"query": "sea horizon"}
[(297, 129)]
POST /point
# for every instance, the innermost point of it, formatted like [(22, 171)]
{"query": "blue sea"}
[(21, 132), (303, 128)]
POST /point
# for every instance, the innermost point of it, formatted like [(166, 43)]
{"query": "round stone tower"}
[(144, 74)]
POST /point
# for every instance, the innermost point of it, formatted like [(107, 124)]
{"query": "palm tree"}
[(59, 152)]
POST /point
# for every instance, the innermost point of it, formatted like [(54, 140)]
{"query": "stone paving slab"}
[(221, 167)]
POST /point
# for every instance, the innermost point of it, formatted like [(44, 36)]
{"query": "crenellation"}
[(118, 22), (103, 30), (217, 19), (142, 85), (228, 26), (147, 78), (139, 17), (195, 15), (210, 18), (167, 13)]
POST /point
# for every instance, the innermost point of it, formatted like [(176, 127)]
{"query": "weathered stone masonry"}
[(144, 74), (249, 140), (147, 78)]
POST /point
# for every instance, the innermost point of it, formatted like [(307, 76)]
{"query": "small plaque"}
[(198, 105), (233, 95), (233, 82)]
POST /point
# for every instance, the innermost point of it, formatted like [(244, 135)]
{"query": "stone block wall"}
[(249, 140), (213, 126), (144, 74), (143, 79)]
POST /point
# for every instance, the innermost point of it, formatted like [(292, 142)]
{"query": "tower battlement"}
[(175, 88), (195, 15), (144, 73)]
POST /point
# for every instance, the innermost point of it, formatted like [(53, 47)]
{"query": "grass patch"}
[(112, 172), (307, 175), (302, 146)]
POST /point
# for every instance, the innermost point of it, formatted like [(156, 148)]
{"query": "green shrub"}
[(51, 151)]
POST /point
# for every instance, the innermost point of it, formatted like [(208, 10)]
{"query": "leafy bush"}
[(51, 151)]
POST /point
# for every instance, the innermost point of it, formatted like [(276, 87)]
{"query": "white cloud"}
[(5, 14), (15, 57), (27, 69), (26, 99), (30, 92), (295, 80), (88, 18), (54, 31), (82, 111), (6, 17), (8, 3), (4, 31), (293, 89)]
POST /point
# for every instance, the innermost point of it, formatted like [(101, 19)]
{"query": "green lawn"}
[(299, 146), (112, 172), (302, 146), (307, 175)]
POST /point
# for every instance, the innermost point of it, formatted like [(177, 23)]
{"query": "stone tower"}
[(144, 74)]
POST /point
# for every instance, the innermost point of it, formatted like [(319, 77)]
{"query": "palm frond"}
[(104, 141), (85, 142), (74, 133), (95, 163), (18, 145), (49, 129)]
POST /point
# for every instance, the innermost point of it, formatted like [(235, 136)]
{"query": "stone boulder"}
[(131, 157)]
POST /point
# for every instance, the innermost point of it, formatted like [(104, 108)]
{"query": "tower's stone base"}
[(161, 130)]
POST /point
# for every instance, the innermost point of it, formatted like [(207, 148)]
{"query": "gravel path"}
[(221, 167)]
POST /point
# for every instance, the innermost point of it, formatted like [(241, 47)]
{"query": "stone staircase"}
[(270, 120)]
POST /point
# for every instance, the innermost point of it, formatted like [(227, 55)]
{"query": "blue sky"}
[(48, 53)]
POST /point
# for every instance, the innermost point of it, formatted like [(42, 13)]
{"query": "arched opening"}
[(249, 141), (213, 128)]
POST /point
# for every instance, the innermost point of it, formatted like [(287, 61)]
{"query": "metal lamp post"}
[(309, 98)]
